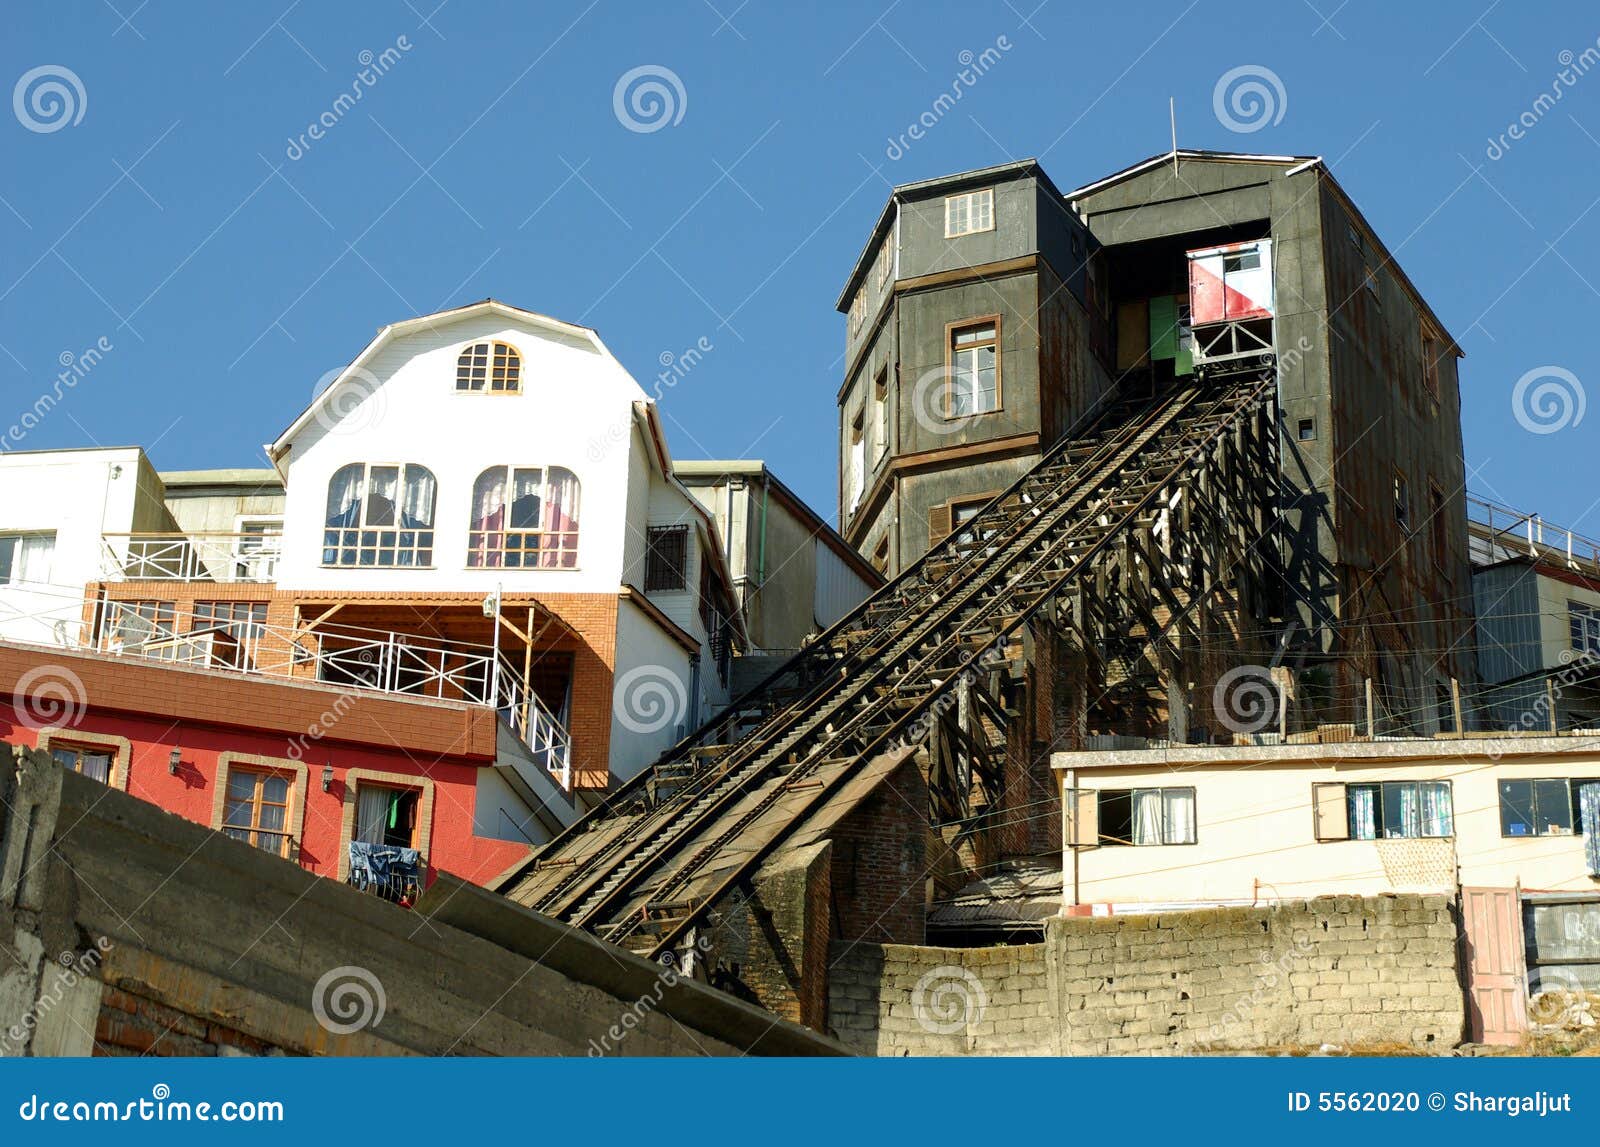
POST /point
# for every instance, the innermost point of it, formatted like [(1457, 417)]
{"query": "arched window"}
[(524, 517), (380, 514), (489, 368)]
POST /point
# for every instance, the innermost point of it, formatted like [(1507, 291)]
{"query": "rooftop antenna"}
[(1172, 116)]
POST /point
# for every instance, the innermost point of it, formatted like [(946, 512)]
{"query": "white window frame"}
[(969, 213), (20, 539)]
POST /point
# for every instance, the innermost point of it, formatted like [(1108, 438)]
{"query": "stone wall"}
[(1374, 974), (125, 929)]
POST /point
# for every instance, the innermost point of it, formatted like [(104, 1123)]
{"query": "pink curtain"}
[(488, 518)]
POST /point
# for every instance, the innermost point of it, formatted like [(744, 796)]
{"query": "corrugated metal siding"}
[(1507, 607), (839, 588)]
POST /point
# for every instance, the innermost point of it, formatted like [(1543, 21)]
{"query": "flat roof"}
[(1474, 745), (234, 477)]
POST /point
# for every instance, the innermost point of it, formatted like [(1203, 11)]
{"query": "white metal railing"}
[(351, 657), (1500, 532), (251, 556)]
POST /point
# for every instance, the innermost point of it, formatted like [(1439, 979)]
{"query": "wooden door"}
[(1492, 948)]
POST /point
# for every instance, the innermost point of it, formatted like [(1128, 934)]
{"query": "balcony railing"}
[(386, 871), (349, 657), (220, 557), (1499, 532)]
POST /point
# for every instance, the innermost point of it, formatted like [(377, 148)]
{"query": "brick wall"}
[(1357, 973), (775, 943), (880, 862)]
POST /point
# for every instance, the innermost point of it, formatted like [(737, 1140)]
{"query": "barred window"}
[(666, 560)]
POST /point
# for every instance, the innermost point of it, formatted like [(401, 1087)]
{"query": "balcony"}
[(249, 556), (386, 871), (1498, 532)]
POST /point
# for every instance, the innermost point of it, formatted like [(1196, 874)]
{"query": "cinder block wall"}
[(1356, 973)]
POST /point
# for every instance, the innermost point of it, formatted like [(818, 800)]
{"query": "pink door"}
[(1492, 946)]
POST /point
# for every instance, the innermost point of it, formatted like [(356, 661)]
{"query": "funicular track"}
[(644, 868)]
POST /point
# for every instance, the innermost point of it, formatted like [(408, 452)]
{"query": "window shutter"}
[(1330, 811), (938, 524), (1083, 818)]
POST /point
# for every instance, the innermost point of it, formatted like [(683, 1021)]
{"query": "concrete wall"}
[(129, 931), (76, 495), (1255, 836), (199, 505), (1359, 974)]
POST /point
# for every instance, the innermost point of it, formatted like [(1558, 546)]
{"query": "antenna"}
[(1172, 116)]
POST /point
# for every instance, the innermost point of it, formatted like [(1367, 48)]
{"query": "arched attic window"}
[(380, 514), (489, 368), (524, 517)]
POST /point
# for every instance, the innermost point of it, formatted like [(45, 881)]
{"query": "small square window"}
[(1306, 431)]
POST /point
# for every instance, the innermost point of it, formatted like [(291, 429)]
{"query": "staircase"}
[(668, 846)]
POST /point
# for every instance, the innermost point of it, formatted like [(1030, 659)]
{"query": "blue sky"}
[(169, 214)]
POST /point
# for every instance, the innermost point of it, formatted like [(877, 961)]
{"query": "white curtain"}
[(1147, 816), (1589, 817), (33, 558), (1438, 815), (344, 496), (1402, 810), (527, 488), (489, 499), (383, 492), (417, 509), (372, 814), (1178, 808), (1363, 813)]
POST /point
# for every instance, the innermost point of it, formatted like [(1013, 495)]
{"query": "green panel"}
[(1164, 327), (1183, 362)]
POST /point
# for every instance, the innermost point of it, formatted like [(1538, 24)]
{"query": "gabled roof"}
[(392, 331), (1192, 153), (1295, 164)]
